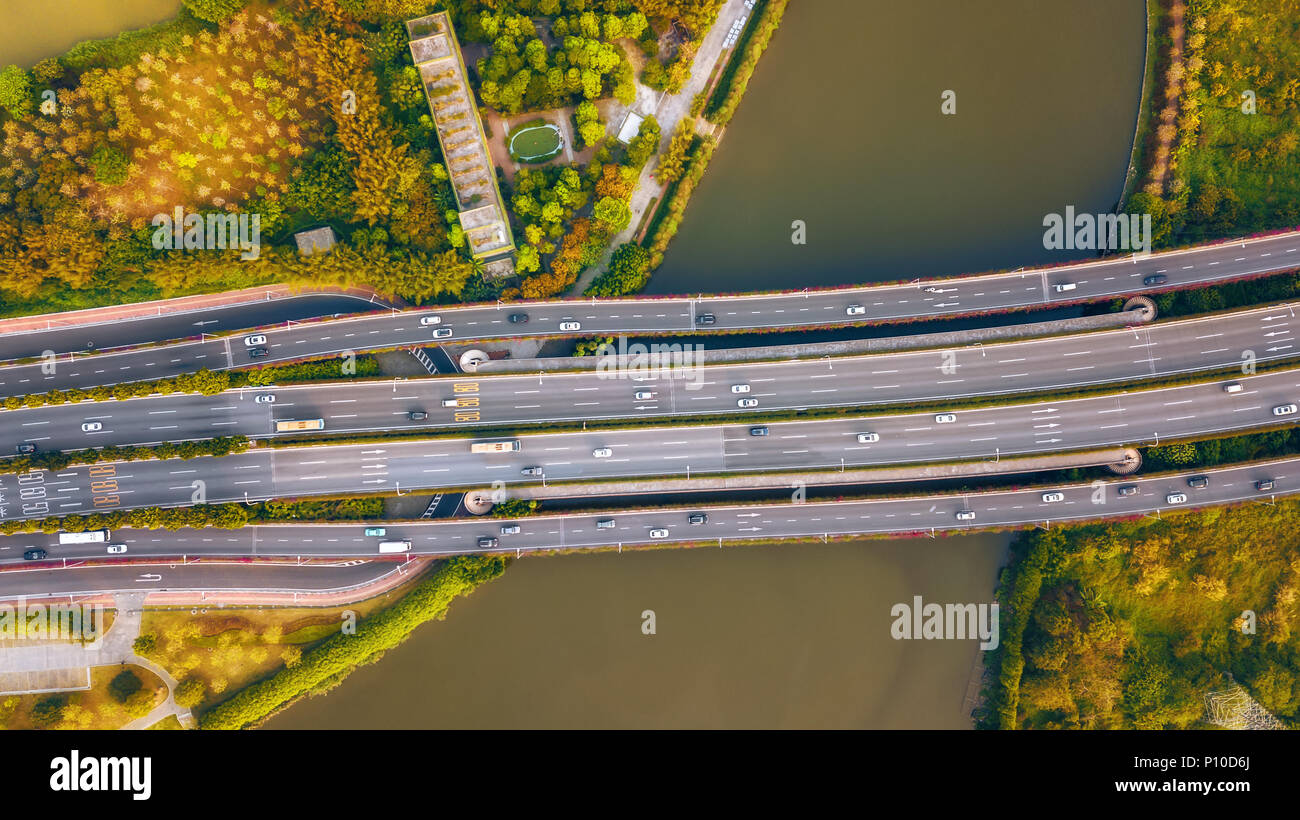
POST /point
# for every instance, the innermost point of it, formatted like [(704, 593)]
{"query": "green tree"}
[(16, 91), (110, 165), (189, 692), (123, 685), (213, 11)]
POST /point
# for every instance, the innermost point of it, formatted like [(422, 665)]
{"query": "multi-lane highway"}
[(723, 524), (930, 299), (950, 434), (1163, 349)]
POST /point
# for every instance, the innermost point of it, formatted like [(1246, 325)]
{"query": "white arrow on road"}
[(209, 322), (147, 578)]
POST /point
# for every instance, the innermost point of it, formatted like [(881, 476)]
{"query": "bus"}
[(303, 424), (496, 447), (394, 546), (87, 537)]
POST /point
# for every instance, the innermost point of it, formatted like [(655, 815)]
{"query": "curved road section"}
[(951, 297), (1057, 363), (956, 434)]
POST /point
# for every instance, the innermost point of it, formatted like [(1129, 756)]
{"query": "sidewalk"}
[(181, 304)]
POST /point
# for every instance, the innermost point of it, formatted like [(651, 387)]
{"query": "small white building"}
[(317, 240), (630, 128)]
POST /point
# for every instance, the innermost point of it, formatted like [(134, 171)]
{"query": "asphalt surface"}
[(725, 524), (118, 333), (956, 296), (1062, 362), (1125, 418), (52, 578)]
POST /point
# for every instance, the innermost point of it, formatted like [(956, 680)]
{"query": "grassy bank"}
[(327, 665), (765, 18)]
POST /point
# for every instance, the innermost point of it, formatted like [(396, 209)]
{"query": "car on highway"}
[(697, 518), (602, 452), (430, 320), (531, 471), (747, 402), (518, 318), (1232, 387), (442, 333), (510, 529), (932, 289), (659, 533), (965, 515), (758, 431), (487, 542), (92, 426), (417, 415), (1052, 498), (570, 325), (644, 395), (706, 319), (1265, 484), (1198, 482), (254, 341), (25, 448), (868, 438), (1064, 287), (1128, 489), (451, 402), (116, 549), (376, 532), (945, 418), (605, 524), (740, 388), (855, 310), (258, 352), (264, 398), (34, 554), (1284, 410), (1175, 498), (1158, 279)]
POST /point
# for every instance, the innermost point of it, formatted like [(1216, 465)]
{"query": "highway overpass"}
[(1054, 363), (957, 296), (1045, 426)]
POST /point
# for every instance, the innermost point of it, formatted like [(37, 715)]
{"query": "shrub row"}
[(735, 78), (223, 516), (668, 218), (327, 665), (55, 460)]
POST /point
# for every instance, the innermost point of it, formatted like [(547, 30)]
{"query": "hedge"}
[(56, 460), (735, 78)]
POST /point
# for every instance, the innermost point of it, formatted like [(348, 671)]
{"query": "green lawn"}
[(535, 141)]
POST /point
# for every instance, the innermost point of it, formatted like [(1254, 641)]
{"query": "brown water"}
[(762, 636), (841, 128), (36, 29)]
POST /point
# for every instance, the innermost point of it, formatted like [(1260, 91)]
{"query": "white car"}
[(265, 398), (254, 341), (1284, 409), (1232, 387), (747, 402), (932, 290), (740, 388), (965, 515), (430, 320), (442, 333), (855, 310), (1175, 498), (658, 533), (602, 452), (1051, 498), (1065, 287), (570, 326), (868, 438), (116, 549), (945, 418), (644, 395), (92, 426)]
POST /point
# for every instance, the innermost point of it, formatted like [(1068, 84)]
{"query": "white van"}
[(1232, 387), (1065, 286), (394, 546), (451, 402)]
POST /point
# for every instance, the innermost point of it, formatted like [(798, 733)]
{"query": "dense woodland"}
[(236, 107)]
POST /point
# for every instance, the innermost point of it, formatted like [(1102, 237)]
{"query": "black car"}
[(417, 415), (1158, 279), (518, 318), (258, 352), (486, 542), (1127, 490), (698, 518), (25, 448), (758, 431), (706, 319), (1264, 485), (1198, 482), (35, 554)]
